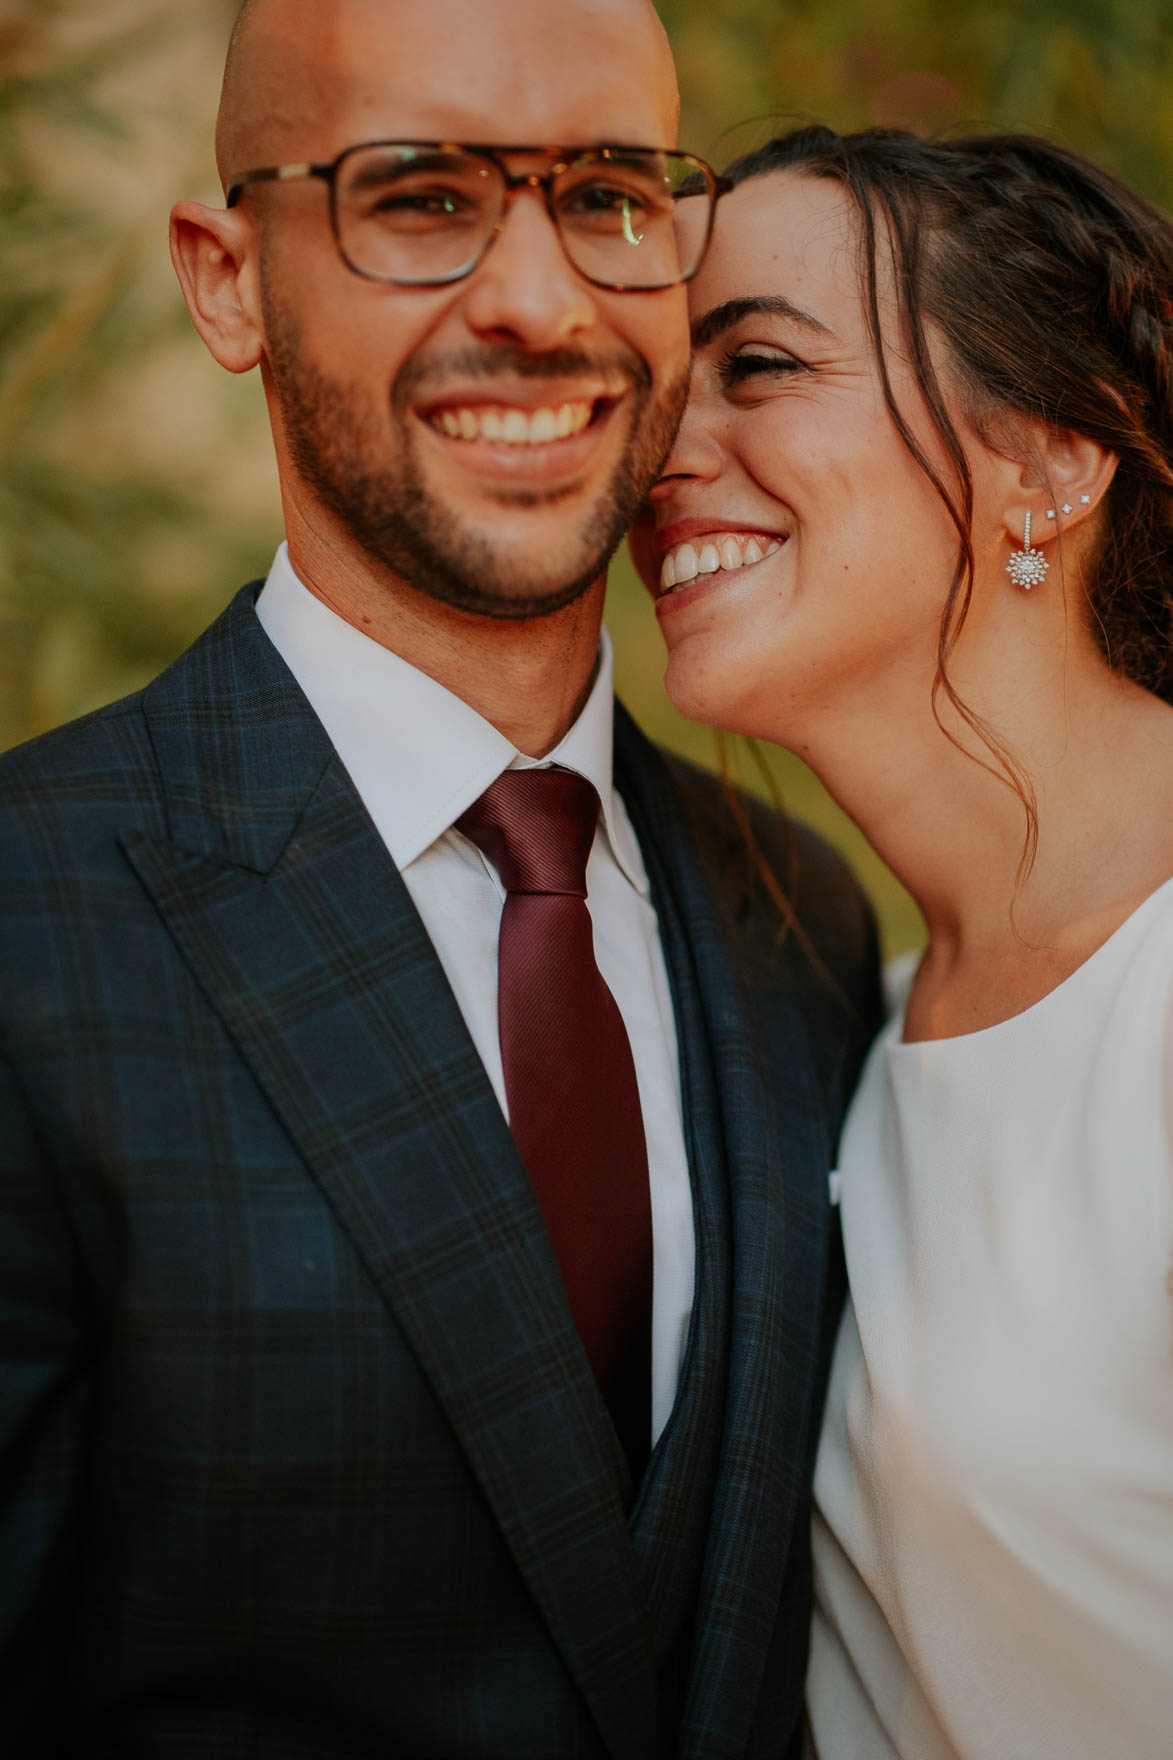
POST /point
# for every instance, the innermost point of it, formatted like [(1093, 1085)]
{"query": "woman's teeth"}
[(683, 563), (515, 427)]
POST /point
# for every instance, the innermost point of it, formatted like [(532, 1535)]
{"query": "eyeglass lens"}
[(411, 214)]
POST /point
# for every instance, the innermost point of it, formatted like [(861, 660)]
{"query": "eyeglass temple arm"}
[(273, 174)]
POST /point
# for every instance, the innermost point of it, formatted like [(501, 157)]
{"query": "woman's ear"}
[(213, 250), (1060, 484)]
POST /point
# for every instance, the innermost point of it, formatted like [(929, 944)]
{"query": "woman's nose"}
[(696, 451), (696, 457)]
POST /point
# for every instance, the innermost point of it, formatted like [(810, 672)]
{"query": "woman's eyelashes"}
[(741, 364)]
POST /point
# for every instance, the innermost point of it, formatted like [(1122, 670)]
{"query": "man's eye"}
[(416, 202), (608, 206), (401, 203), (605, 198)]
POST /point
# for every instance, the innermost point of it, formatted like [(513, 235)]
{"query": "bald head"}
[(305, 78)]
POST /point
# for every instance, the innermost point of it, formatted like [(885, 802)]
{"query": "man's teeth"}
[(686, 561), (515, 427)]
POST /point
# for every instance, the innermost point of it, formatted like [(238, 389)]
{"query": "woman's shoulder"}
[(1138, 969), (1114, 1007), (1127, 978)]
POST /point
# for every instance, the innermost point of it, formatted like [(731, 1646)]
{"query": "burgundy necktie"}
[(570, 1080)]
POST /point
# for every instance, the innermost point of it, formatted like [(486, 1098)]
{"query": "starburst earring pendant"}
[(1027, 567)]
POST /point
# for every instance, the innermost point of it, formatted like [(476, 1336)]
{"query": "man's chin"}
[(506, 590), (516, 564)]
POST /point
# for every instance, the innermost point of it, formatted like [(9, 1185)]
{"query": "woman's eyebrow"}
[(723, 317)]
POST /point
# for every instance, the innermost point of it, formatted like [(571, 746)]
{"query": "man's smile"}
[(537, 432), (515, 427)]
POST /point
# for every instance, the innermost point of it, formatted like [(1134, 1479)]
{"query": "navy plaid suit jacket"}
[(299, 1451)]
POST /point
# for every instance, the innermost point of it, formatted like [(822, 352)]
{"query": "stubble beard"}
[(386, 506)]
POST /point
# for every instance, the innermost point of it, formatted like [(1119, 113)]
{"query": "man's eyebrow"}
[(723, 317)]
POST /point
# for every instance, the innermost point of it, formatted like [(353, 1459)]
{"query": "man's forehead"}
[(308, 77)]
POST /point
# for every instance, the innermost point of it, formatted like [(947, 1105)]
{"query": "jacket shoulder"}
[(109, 735), (107, 760), (75, 784)]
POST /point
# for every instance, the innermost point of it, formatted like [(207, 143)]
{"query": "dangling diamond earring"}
[(1027, 567)]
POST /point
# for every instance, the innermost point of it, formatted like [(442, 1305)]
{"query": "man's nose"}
[(525, 290)]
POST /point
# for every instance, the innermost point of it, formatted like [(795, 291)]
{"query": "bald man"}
[(416, 1253)]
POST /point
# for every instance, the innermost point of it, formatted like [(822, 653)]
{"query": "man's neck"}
[(529, 678)]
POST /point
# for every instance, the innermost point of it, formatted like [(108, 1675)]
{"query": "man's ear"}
[(212, 250), (1061, 485)]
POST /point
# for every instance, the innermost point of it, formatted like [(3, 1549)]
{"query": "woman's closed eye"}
[(743, 363)]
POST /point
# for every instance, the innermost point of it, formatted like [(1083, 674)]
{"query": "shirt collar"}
[(417, 753)]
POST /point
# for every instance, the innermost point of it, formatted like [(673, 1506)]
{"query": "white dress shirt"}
[(418, 757)]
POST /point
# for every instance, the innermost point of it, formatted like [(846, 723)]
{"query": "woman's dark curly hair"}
[(1051, 285)]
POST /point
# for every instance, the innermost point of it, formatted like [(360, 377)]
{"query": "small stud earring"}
[(1050, 513), (1027, 567), (1085, 501), (1067, 507)]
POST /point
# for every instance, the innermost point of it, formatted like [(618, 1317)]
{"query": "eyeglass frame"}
[(327, 171)]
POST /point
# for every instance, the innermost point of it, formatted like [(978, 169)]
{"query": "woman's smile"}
[(704, 556)]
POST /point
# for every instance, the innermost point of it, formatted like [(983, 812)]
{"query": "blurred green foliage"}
[(111, 558), (135, 486), (1097, 74)]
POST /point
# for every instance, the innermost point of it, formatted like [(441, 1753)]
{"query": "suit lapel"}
[(671, 1518), (777, 1209), (286, 906)]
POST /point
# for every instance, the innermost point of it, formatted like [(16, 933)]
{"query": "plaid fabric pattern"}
[(299, 1451), (784, 1042)]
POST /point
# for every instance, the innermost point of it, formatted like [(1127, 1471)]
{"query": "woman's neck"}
[(1098, 752)]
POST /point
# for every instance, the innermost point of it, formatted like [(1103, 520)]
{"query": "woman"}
[(918, 527)]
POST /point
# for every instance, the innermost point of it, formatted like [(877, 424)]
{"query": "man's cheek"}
[(642, 545)]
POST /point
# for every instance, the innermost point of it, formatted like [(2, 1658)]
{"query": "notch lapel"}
[(776, 1160), (285, 904), (671, 1519)]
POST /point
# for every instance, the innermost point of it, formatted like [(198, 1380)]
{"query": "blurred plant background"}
[(136, 483)]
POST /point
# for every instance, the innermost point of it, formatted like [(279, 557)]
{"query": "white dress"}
[(994, 1523)]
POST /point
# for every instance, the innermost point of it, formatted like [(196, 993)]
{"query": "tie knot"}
[(536, 827)]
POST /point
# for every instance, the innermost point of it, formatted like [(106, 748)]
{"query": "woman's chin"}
[(700, 694)]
